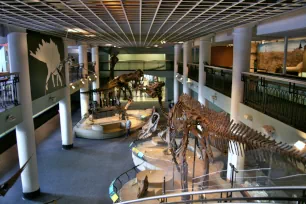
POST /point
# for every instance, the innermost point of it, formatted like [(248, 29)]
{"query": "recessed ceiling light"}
[(91, 35), (300, 145), (115, 46), (71, 30), (181, 42), (108, 44), (155, 45)]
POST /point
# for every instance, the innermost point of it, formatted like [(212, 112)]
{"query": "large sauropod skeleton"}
[(120, 82), (215, 129)]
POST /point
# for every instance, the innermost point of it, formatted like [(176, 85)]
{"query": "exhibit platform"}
[(110, 127)]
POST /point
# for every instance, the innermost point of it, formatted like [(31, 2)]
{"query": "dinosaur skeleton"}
[(120, 82), (150, 127), (155, 90), (218, 131)]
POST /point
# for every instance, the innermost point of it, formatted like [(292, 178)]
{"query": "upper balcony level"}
[(282, 97), (8, 90), (150, 65)]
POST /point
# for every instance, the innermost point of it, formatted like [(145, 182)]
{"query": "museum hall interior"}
[(152, 101)]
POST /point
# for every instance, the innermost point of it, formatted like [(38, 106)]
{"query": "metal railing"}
[(300, 195), (139, 64), (281, 97), (76, 71), (118, 182), (180, 68), (219, 79), (193, 71), (8, 90)]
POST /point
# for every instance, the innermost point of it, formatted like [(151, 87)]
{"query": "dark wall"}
[(222, 56), (45, 52)]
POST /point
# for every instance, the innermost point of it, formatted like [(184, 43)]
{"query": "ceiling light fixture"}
[(155, 45), (108, 44), (300, 145), (91, 35), (181, 42)]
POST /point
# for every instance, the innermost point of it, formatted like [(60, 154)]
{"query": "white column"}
[(25, 135), (241, 63), (204, 56), (65, 108), (187, 58), (84, 97), (177, 57), (285, 54), (96, 83)]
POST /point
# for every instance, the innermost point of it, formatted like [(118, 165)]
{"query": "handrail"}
[(125, 61), (277, 78), (218, 68), (113, 192), (193, 64), (217, 191)]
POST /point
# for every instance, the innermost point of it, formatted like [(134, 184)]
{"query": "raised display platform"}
[(110, 127)]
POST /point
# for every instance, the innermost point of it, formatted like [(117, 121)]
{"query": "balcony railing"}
[(76, 71), (193, 71), (139, 64), (219, 79), (180, 68), (8, 90), (281, 97)]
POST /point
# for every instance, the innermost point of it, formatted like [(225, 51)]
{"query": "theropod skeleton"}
[(218, 131)]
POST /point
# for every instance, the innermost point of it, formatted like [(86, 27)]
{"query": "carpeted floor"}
[(80, 175)]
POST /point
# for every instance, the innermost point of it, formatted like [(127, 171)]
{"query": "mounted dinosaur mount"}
[(218, 131), (155, 90), (120, 82)]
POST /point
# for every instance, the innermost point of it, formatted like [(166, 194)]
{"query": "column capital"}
[(207, 37), (177, 45), (187, 43), (17, 33), (82, 44), (243, 29)]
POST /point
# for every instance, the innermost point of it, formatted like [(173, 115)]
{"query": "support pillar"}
[(65, 109), (285, 54), (177, 57), (25, 135), (241, 63), (204, 57), (96, 83), (84, 98), (187, 58)]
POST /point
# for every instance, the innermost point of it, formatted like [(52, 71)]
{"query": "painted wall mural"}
[(46, 70), (270, 56)]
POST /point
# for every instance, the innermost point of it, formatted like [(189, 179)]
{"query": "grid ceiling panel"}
[(138, 22)]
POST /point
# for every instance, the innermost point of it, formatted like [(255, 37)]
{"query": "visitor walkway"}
[(80, 175)]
